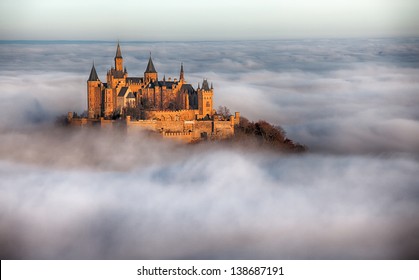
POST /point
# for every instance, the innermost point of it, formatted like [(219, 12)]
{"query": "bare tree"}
[(224, 112), (133, 111)]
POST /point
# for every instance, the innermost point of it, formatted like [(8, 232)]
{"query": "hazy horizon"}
[(206, 20)]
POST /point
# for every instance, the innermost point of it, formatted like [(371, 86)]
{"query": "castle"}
[(172, 108)]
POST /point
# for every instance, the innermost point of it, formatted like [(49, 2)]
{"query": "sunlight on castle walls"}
[(103, 194), (316, 89)]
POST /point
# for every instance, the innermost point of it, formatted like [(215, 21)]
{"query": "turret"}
[(150, 73), (94, 94), (205, 94), (181, 76), (119, 61), (93, 77)]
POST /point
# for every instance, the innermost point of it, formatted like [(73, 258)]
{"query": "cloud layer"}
[(333, 95), (213, 204), (91, 194)]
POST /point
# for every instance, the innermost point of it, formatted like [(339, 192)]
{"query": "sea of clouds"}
[(94, 194)]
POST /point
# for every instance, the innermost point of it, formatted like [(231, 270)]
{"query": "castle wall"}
[(179, 136), (223, 129), (144, 124), (180, 115), (107, 124), (78, 122), (170, 126), (182, 130)]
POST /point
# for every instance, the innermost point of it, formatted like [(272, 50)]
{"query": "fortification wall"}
[(184, 130), (224, 129), (135, 126), (181, 115), (78, 122), (171, 126), (107, 124), (180, 136)]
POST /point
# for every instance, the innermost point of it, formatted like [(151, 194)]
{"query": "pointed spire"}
[(212, 87), (182, 77), (205, 85), (199, 86), (164, 78), (118, 52), (150, 66), (93, 75)]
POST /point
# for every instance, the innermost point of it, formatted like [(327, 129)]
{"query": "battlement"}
[(179, 136), (173, 111), (174, 134)]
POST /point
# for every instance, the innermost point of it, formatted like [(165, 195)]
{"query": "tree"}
[(265, 134), (268, 132), (133, 111), (224, 112), (116, 114)]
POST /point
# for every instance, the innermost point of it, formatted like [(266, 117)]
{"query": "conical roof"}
[(205, 85), (150, 66), (93, 75), (118, 52), (182, 75)]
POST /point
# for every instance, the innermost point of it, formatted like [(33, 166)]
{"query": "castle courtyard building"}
[(173, 108)]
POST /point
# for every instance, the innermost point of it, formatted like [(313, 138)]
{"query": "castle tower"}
[(150, 73), (185, 101), (205, 102), (182, 75), (94, 94), (119, 61)]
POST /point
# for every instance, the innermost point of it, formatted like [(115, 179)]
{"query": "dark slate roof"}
[(205, 85), (131, 95), (150, 67), (117, 74), (134, 80), (122, 91), (187, 88), (168, 84), (118, 52), (93, 75)]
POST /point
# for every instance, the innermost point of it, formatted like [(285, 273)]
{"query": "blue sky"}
[(205, 20)]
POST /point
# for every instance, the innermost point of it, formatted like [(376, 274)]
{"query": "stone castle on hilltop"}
[(171, 107)]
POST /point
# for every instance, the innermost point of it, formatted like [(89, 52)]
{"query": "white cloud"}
[(89, 194), (213, 204)]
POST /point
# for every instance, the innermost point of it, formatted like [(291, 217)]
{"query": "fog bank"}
[(89, 194)]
